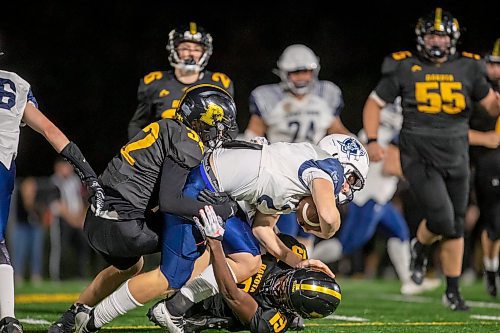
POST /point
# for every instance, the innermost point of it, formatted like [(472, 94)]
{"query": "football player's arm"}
[(324, 199), (263, 230), (172, 199), (371, 121), (489, 139), (392, 162), (241, 303), (491, 103), (337, 127), (142, 115)]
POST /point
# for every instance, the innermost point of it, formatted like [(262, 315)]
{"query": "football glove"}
[(211, 225), (218, 198)]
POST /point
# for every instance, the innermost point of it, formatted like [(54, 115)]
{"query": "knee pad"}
[(4, 254)]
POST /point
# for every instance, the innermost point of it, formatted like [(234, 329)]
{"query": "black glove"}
[(218, 199), (74, 156)]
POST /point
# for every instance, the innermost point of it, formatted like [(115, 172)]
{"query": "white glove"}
[(260, 140), (212, 225)]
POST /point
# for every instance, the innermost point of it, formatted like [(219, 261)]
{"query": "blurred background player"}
[(484, 137), (17, 104), (437, 87), (372, 208), (189, 49), (301, 108)]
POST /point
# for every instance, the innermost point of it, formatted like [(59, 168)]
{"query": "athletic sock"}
[(6, 291)]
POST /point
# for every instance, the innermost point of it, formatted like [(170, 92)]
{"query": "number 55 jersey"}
[(436, 98)]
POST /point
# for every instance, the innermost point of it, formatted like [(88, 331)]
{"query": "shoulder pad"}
[(238, 144), (153, 76), (471, 55), (400, 55), (392, 62), (221, 78)]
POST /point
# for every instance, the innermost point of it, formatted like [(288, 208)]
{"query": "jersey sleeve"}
[(269, 321), (253, 107), (328, 169), (388, 86), (31, 98), (143, 112), (333, 96), (480, 84)]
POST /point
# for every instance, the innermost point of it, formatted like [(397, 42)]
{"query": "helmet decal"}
[(352, 147), (214, 113)]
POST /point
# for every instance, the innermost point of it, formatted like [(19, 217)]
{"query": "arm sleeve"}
[(142, 115), (388, 86), (481, 87), (172, 200)]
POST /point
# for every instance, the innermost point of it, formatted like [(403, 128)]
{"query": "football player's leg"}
[(7, 177)]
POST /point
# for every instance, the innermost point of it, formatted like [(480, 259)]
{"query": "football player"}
[(485, 133), (301, 108), (189, 49), (148, 174), (266, 180), (18, 106), (437, 86), (269, 301)]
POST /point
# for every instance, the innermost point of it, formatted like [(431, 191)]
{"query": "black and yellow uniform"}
[(159, 94), (150, 170), (486, 163), (436, 101), (269, 317)]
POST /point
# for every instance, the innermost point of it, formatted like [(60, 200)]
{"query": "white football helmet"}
[(295, 58), (353, 157)]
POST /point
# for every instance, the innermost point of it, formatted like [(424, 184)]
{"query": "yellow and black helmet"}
[(306, 292), (214, 108), (494, 55), (440, 23)]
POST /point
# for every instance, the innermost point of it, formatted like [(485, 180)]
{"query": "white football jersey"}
[(380, 187), (292, 120), (14, 94), (274, 179)]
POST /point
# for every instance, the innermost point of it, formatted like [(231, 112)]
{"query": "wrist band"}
[(370, 140)]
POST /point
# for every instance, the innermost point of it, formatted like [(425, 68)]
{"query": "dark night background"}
[(84, 59)]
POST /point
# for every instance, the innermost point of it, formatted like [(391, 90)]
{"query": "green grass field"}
[(367, 306)]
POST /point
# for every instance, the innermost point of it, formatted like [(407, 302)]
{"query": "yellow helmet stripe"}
[(193, 29), (437, 19), (319, 289), (496, 49)]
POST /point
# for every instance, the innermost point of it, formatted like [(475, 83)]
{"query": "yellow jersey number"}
[(222, 78), (145, 142), (278, 322), (434, 97)]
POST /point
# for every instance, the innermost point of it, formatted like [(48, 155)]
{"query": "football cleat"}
[(490, 280), (197, 324), (84, 319), (455, 302), (66, 322), (10, 325), (160, 315), (418, 263), (411, 288)]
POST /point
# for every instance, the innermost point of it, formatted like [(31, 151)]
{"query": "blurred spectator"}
[(66, 228)]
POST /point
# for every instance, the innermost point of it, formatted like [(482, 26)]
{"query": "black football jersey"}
[(131, 179), (159, 94), (436, 98)]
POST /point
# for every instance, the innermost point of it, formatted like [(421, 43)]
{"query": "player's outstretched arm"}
[(371, 122), (242, 304), (69, 150)]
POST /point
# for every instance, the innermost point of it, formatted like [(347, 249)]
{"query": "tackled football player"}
[(150, 171)]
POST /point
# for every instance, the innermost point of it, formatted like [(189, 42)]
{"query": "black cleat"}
[(418, 262), (455, 302), (199, 323), (84, 319), (10, 325), (490, 279), (65, 323)]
